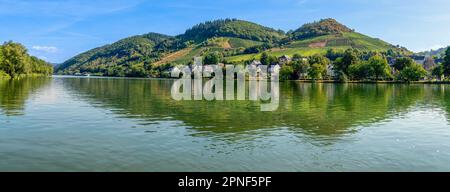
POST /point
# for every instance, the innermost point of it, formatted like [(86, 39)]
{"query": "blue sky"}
[(57, 30)]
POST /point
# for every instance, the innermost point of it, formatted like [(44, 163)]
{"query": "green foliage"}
[(333, 54), (117, 58), (232, 28), (361, 71), (402, 63), (267, 59), (316, 71), (296, 56), (437, 71), (380, 67), (235, 41), (375, 68), (257, 48), (318, 66), (446, 64), (300, 67), (212, 58), (323, 27), (15, 61), (414, 72), (286, 72), (350, 57)]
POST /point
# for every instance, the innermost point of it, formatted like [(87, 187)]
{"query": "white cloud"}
[(46, 49)]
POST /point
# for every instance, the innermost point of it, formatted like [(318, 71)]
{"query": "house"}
[(429, 63), (284, 59), (256, 63), (440, 60), (208, 70), (330, 71), (418, 59), (274, 69)]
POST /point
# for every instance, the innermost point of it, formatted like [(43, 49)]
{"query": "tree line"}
[(355, 65), (15, 62)]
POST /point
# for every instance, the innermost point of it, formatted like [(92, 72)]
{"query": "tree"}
[(296, 57), (349, 58), (332, 54), (14, 59), (403, 62), (318, 66), (380, 67), (286, 72), (316, 71), (414, 72), (446, 63), (212, 58), (361, 71), (266, 59), (437, 71), (300, 67), (1, 58)]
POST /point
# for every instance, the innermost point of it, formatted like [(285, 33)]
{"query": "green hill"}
[(434, 53), (232, 28), (234, 40)]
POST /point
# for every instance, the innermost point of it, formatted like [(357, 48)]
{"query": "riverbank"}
[(303, 80), (4, 76), (374, 82)]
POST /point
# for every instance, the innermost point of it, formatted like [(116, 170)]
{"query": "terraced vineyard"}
[(235, 41)]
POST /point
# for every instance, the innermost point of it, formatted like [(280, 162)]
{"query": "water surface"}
[(113, 124)]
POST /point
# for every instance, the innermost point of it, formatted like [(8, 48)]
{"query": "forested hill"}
[(320, 28), (16, 62), (229, 41), (232, 28), (434, 53)]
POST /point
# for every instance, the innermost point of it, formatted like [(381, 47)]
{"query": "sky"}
[(57, 30)]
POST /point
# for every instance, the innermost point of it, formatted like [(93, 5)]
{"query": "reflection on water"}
[(318, 109), (14, 93), (135, 125)]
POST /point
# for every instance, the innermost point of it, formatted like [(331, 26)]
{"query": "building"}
[(418, 59), (284, 59), (256, 63), (429, 63), (330, 71)]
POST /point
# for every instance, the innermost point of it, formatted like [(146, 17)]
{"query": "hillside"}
[(232, 28), (437, 53), (320, 28), (319, 37), (232, 40)]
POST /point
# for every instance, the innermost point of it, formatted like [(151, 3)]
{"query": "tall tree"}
[(349, 58), (380, 67), (412, 73), (403, 62), (300, 67), (318, 67), (265, 59), (438, 71), (14, 58), (446, 63), (212, 58)]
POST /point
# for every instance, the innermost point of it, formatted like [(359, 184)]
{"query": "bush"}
[(286, 73), (4, 75), (414, 72)]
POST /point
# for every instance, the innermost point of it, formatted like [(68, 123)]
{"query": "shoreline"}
[(372, 82), (303, 80)]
